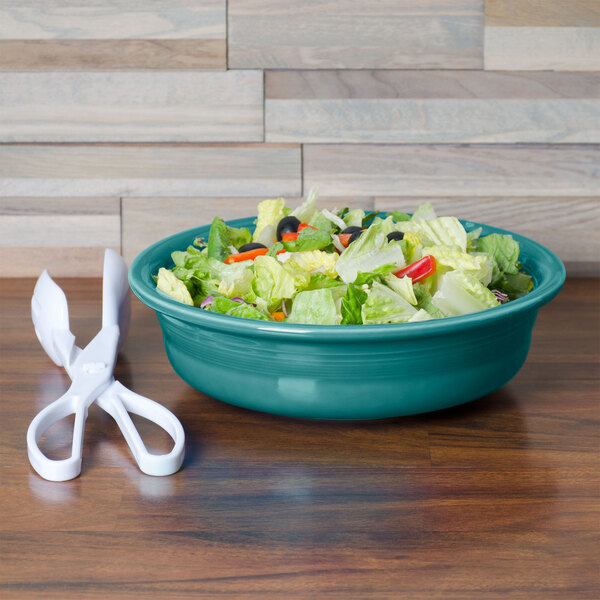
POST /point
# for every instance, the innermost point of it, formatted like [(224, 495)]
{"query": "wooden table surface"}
[(494, 499)]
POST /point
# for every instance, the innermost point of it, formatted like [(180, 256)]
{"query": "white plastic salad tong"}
[(91, 371)]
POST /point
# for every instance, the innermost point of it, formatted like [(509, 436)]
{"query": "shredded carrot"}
[(289, 237), (250, 255), (278, 316)]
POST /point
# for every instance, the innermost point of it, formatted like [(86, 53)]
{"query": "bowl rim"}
[(143, 287)]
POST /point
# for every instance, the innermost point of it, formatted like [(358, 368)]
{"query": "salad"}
[(346, 267)]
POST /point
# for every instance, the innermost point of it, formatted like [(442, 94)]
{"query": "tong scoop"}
[(91, 372)]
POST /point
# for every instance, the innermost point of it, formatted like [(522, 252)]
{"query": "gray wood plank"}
[(542, 48), (126, 170), (136, 106), (355, 34), (453, 170), (432, 107), (112, 19)]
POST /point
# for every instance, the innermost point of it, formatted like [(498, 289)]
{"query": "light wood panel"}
[(449, 170), (93, 55), (353, 34), (543, 48), (136, 106), (544, 13), (209, 170), (113, 34), (144, 219), (431, 107), (568, 226), (549, 35), (63, 235)]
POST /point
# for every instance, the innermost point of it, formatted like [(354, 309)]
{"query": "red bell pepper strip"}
[(418, 270), (250, 255), (304, 226), (289, 237)]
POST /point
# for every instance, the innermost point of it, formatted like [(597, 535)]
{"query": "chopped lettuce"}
[(315, 261), (459, 293), (383, 305), (218, 240), (506, 276), (249, 312), (238, 237), (272, 282), (314, 307), (368, 253), (445, 231), (269, 213), (450, 257), (420, 315), (305, 212), (353, 218), (168, 283), (309, 239), (351, 305), (425, 211), (402, 286), (424, 300)]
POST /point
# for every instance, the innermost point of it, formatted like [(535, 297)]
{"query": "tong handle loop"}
[(118, 401), (71, 402)]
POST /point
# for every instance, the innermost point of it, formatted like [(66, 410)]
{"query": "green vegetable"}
[(309, 239), (402, 286), (218, 240), (272, 282), (399, 216), (248, 312), (385, 306), (371, 251), (269, 213), (314, 307), (506, 275), (445, 231), (351, 306), (459, 293), (238, 237), (168, 283), (308, 208)]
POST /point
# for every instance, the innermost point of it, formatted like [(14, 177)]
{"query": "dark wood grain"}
[(495, 499)]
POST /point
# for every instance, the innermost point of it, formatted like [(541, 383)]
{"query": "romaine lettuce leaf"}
[(446, 231), (425, 211), (420, 315), (459, 293), (249, 312), (424, 300), (269, 213), (450, 257), (314, 307), (238, 237), (168, 283), (385, 306), (402, 286), (506, 276), (315, 261), (353, 218), (218, 240), (368, 253), (308, 208), (272, 282), (351, 305), (309, 239)]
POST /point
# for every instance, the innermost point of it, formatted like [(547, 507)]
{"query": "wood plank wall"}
[(122, 121)]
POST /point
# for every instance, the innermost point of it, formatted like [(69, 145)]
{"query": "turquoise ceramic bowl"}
[(350, 371)]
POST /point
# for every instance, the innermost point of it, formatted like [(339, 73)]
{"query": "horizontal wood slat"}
[(555, 222), (449, 170), (72, 170), (432, 107), (542, 48), (144, 219), (549, 13), (350, 34), (113, 34), (67, 237), (137, 106), (92, 55)]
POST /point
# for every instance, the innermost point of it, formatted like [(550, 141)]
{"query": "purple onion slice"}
[(207, 302)]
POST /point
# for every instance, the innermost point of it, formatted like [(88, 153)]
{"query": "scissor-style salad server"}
[(91, 372)]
